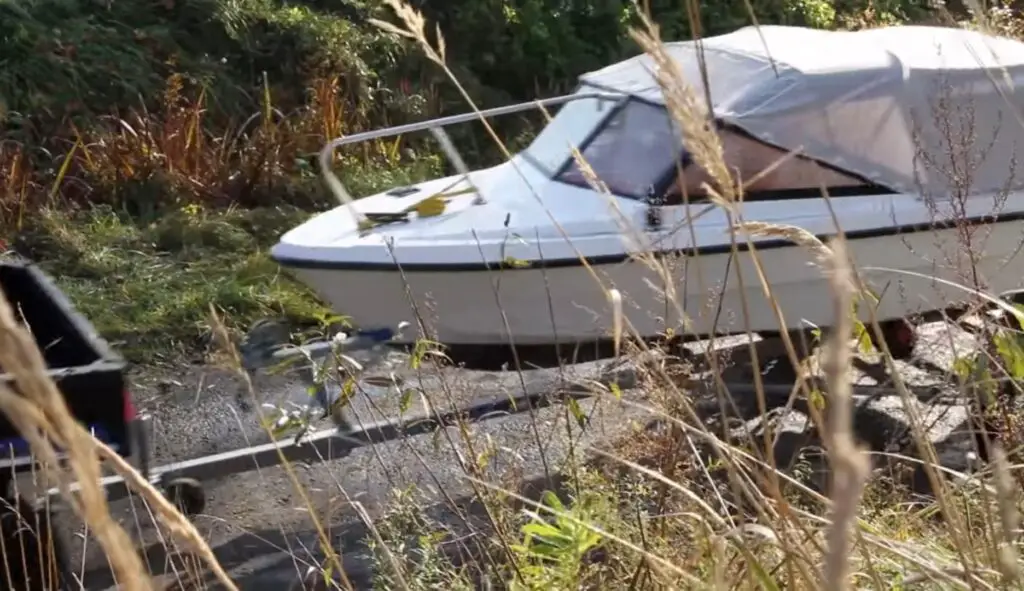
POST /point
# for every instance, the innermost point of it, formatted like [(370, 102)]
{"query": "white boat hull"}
[(862, 125), (567, 304)]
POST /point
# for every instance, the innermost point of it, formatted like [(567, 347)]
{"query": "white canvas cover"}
[(865, 101)]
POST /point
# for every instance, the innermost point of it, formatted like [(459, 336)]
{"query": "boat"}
[(524, 252)]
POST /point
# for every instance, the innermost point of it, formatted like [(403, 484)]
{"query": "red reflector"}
[(129, 407)]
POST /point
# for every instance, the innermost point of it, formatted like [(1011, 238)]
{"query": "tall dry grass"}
[(848, 462), (773, 542)]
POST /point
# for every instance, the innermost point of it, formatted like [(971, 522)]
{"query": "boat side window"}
[(631, 152), (758, 165)]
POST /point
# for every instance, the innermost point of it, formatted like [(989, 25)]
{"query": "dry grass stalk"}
[(683, 104), (179, 526), (795, 234), (850, 467), (42, 417), (40, 413), (703, 142), (233, 360), (588, 174), (1009, 518)]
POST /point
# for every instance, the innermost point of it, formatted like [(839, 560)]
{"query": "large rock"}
[(883, 421)]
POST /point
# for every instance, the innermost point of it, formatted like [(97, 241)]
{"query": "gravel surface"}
[(260, 525)]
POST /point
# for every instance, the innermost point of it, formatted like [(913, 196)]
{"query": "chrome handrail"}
[(436, 126)]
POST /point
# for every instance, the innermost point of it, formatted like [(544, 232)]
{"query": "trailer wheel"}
[(900, 337), (187, 495)]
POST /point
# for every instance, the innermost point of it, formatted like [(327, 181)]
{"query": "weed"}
[(148, 288)]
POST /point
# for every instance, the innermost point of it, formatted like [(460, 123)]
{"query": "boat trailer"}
[(262, 349), (266, 346)]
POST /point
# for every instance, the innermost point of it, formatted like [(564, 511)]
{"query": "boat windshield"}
[(568, 129), (633, 150)]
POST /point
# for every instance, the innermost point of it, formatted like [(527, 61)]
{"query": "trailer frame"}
[(182, 482)]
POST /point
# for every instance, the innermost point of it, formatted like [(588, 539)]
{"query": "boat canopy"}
[(889, 104)]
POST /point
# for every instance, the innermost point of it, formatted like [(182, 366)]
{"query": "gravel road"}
[(260, 526), (258, 523)]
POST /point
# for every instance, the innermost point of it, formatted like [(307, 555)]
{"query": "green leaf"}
[(1011, 353), (406, 400), (765, 580), (420, 351), (964, 366), (1018, 315), (431, 539), (551, 500), (348, 389), (864, 343), (541, 530), (817, 399), (577, 412)]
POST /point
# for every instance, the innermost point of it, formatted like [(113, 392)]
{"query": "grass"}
[(148, 219), (675, 507), (148, 289)]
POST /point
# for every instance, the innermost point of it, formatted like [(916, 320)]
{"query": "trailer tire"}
[(187, 495)]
